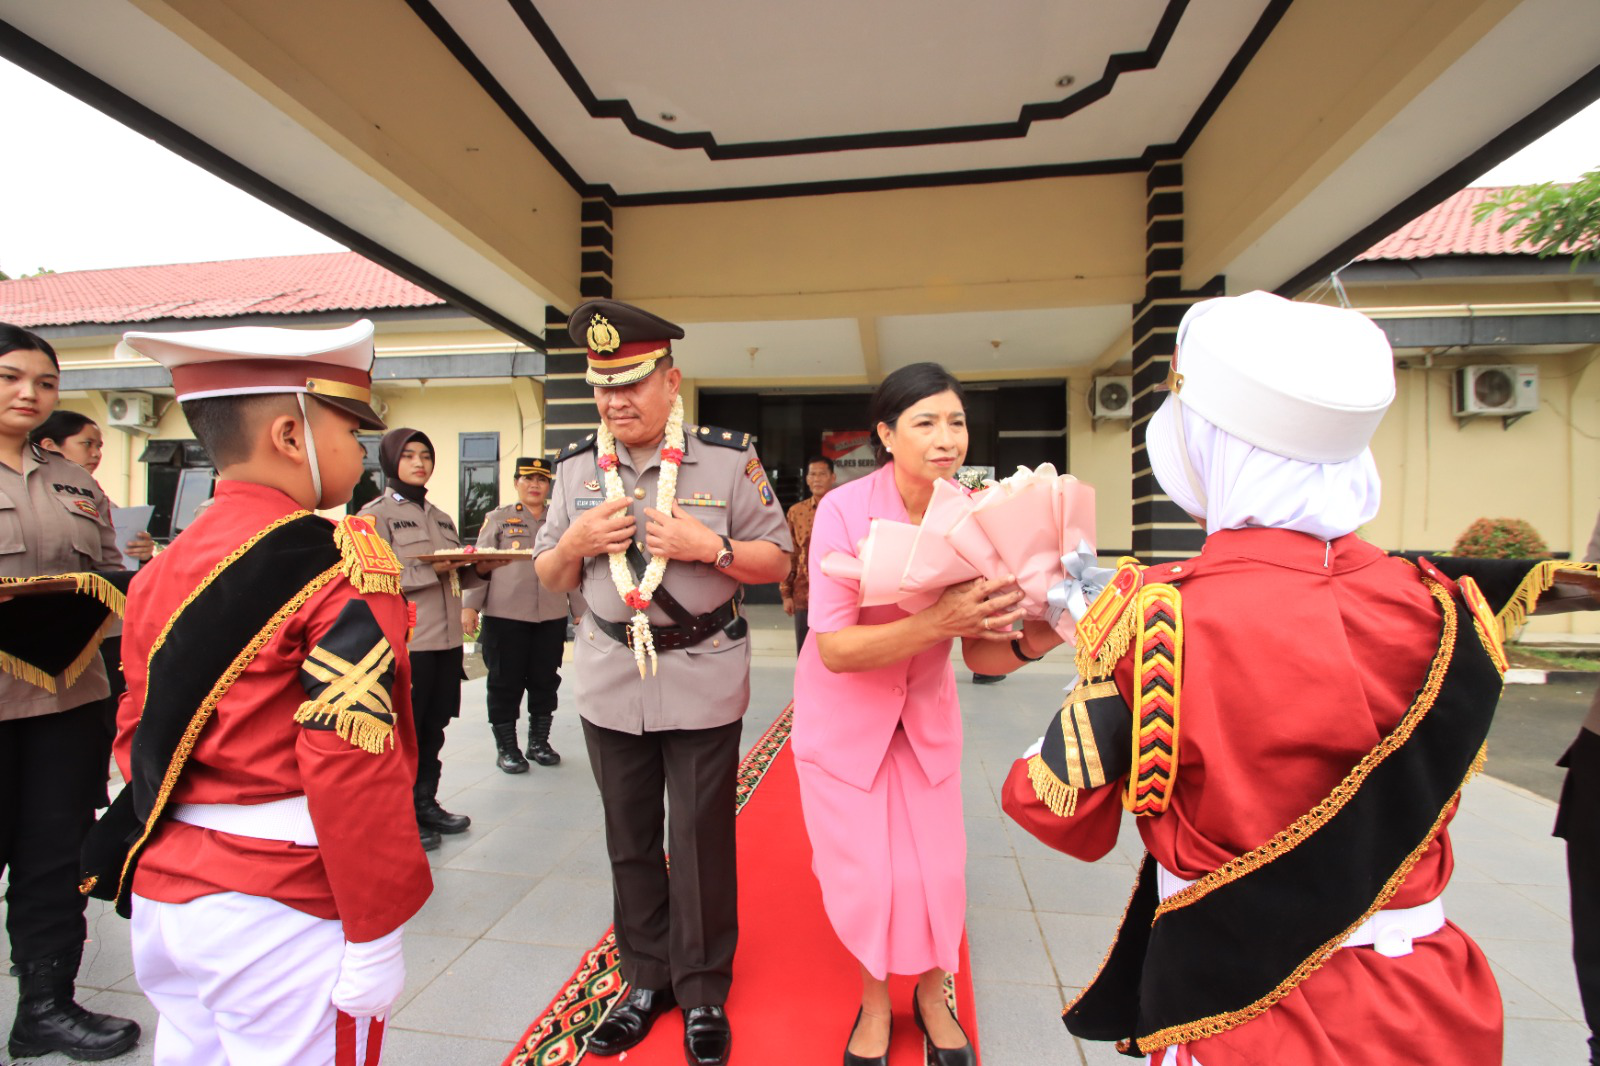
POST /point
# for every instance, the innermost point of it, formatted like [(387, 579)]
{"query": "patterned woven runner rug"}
[(795, 988)]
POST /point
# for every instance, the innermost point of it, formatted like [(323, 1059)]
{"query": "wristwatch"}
[(725, 556)]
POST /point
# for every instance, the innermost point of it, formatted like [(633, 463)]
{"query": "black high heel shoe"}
[(859, 1060), (944, 1056)]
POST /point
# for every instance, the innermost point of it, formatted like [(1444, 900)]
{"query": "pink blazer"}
[(844, 722)]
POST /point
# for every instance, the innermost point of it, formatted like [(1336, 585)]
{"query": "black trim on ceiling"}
[(1235, 69), (1546, 117), (41, 61), (1153, 154), (1116, 65)]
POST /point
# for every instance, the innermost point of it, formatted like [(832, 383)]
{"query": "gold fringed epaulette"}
[(1538, 581), (351, 724), (368, 562), (1106, 631), (1054, 793)]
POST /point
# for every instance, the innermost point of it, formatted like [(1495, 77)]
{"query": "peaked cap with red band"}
[(624, 341), (332, 365)]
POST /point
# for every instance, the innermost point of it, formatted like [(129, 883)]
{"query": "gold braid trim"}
[(202, 714), (1537, 582), (1318, 816), (1301, 829), (1221, 1023), (359, 730), (229, 560), (1054, 793)]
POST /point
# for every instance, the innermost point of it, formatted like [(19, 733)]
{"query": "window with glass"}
[(178, 479), (370, 487), (480, 481)]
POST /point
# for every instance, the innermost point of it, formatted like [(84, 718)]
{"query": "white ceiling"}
[(840, 68)]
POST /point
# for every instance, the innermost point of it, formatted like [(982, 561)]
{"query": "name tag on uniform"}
[(583, 503)]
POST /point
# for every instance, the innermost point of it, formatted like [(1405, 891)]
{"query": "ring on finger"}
[(986, 622)]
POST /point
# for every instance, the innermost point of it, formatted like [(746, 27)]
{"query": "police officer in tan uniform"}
[(524, 625), (664, 723), (413, 526), (53, 520)]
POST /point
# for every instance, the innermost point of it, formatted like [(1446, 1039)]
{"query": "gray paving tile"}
[(987, 837), (1502, 911), (1531, 1041), (1077, 944), (995, 882), (1066, 886), (1556, 899), (1545, 968), (1007, 948), (560, 911), (1021, 1026), (467, 902), (427, 956), (1520, 1001), (519, 849), (492, 991), (408, 1047)]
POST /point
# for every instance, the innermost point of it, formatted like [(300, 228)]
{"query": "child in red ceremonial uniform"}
[(1292, 715), (266, 732)]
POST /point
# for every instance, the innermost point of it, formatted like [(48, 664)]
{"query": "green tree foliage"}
[(1555, 219)]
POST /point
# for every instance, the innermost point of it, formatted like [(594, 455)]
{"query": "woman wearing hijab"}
[(53, 520), (414, 527), (1333, 699)]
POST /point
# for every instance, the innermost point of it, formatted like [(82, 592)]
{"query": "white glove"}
[(1033, 749), (371, 976)]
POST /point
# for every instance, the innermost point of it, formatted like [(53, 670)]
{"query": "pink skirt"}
[(891, 862)]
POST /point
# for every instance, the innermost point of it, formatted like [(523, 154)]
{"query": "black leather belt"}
[(669, 638)]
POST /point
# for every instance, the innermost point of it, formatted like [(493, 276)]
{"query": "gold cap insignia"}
[(603, 335)]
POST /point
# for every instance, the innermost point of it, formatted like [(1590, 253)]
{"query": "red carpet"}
[(795, 989)]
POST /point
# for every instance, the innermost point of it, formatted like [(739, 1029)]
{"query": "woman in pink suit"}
[(877, 727)]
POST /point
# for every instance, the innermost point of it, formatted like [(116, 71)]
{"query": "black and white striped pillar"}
[(568, 399)]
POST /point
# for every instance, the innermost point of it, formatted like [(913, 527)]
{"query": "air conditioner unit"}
[(132, 412), (1496, 390), (1112, 397)]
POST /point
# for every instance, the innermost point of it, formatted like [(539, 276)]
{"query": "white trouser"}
[(240, 981)]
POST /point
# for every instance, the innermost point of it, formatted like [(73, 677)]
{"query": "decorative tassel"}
[(368, 563), (455, 584), (92, 584), (1537, 582), (1479, 761), (357, 728), (1060, 797), (88, 655), (1093, 666), (23, 671)]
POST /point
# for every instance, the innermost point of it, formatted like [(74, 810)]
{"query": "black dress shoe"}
[(944, 1056), (629, 1021), (862, 1060), (432, 816), (987, 679), (706, 1036)]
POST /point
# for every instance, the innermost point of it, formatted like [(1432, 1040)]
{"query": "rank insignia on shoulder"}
[(1157, 687), (349, 679), (1106, 630), (577, 447), (724, 438), (366, 558), (1085, 746)]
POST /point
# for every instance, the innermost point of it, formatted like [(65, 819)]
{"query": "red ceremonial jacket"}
[(1299, 657), (368, 869)]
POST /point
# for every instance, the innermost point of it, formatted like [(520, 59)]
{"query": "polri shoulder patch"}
[(577, 447), (736, 439), (366, 559)]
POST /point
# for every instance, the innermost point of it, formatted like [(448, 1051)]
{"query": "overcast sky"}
[(102, 195)]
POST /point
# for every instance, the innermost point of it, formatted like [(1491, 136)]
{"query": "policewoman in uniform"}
[(53, 520), (1291, 716), (414, 527), (524, 625), (658, 524)]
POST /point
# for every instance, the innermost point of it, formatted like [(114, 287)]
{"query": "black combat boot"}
[(432, 816), (49, 1020), (539, 749), (510, 759)]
